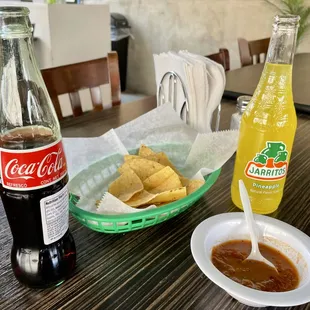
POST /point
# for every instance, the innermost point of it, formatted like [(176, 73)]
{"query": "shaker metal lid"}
[(242, 102)]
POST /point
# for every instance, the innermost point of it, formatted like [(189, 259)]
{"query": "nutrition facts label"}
[(55, 216)]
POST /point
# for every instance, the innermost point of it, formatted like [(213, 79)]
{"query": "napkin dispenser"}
[(172, 79), (187, 87)]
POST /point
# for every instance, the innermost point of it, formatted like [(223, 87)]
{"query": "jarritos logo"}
[(33, 169), (270, 164)]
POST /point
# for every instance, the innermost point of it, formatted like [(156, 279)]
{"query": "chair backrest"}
[(251, 51), (91, 74), (222, 57)]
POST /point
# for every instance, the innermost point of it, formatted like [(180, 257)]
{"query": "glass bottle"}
[(268, 125), (33, 164)]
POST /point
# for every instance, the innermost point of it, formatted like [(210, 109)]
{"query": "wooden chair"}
[(91, 74), (250, 50), (222, 58)]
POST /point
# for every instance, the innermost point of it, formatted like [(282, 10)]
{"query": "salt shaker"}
[(242, 103)]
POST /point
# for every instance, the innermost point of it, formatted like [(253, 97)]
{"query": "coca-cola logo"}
[(33, 169), (51, 163)]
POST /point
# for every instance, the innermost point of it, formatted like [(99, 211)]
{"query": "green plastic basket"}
[(138, 220), (128, 222)]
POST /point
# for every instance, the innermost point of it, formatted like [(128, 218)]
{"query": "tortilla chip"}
[(127, 185), (158, 178), (142, 167), (150, 178), (155, 204), (172, 182), (184, 181), (158, 205), (130, 157), (163, 159), (145, 151), (169, 196), (193, 185), (140, 199)]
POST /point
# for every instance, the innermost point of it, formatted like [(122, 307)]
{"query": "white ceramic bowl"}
[(231, 226)]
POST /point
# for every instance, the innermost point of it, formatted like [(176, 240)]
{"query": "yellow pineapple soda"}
[(268, 125)]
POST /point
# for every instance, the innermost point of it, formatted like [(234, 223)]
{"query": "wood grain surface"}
[(152, 268), (69, 79), (96, 124), (243, 81)]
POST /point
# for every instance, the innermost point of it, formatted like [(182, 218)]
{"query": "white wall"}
[(200, 26), (67, 33)]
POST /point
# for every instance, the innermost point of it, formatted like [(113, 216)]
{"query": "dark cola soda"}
[(35, 263), (33, 164)]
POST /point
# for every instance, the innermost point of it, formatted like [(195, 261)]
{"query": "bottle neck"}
[(21, 81), (24, 100), (19, 59), (283, 41)]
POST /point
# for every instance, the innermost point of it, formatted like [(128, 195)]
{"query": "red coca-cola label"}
[(33, 169)]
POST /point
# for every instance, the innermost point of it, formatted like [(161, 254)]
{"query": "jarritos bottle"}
[(33, 164), (268, 125)]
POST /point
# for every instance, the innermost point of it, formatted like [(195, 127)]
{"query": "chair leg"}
[(76, 103), (96, 98), (225, 53), (244, 51), (114, 77), (57, 107)]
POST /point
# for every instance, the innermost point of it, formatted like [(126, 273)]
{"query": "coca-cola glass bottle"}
[(33, 164)]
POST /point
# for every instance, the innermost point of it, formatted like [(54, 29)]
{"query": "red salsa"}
[(229, 258)]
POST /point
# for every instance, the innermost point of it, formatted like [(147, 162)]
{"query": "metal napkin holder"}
[(174, 79)]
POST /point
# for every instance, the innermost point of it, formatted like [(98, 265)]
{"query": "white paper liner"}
[(195, 155), (112, 206)]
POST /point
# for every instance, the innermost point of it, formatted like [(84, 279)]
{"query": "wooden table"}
[(151, 268), (243, 81), (96, 124)]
